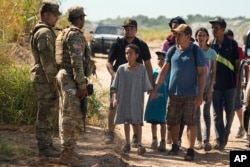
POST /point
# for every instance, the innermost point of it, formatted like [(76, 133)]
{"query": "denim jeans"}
[(207, 122), (223, 100)]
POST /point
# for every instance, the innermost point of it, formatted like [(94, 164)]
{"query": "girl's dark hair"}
[(134, 47), (229, 33), (203, 29)]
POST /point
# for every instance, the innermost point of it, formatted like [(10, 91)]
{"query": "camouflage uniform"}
[(72, 57), (43, 75)]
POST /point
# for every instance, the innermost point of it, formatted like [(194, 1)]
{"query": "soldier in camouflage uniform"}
[(73, 58), (43, 75)]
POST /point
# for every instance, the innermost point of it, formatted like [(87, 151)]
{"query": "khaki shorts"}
[(179, 106)]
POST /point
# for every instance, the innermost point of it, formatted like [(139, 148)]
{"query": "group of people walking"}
[(190, 72)]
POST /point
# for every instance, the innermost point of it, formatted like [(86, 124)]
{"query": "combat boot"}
[(68, 157), (48, 152)]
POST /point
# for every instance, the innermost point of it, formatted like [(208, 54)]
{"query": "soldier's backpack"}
[(89, 65)]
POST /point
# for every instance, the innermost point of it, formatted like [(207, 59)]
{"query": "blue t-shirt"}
[(183, 76), (227, 54), (155, 111)]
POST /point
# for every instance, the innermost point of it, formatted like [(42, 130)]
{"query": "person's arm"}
[(201, 85), (246, 69), (159, 80), (45, 45), (236, 54), (211, 84), (109, 66), (149, 69), (115, 99), (77, 47)]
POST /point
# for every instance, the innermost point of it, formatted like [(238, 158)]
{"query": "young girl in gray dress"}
[(130, 83)]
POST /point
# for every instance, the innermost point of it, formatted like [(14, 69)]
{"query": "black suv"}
[(103, 37)]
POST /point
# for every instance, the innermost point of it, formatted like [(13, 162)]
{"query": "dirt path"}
[(96, 154)]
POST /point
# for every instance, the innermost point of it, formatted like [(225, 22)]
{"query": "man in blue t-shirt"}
[(225, 82), (186, 86)]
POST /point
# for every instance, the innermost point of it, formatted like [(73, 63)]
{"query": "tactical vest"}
[(63, 56), (62, 52)]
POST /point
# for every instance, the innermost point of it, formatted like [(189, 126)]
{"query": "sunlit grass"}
[(153, 34)]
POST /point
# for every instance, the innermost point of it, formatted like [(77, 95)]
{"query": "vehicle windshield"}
[(109, 30)]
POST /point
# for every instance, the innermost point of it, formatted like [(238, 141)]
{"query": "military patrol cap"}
[(50, 6), (75, 11)]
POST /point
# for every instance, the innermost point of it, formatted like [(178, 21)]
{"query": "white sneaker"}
[(199, 145), (241, 132)]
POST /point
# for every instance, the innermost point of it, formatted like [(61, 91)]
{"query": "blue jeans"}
[(223, 100), (207, 121)]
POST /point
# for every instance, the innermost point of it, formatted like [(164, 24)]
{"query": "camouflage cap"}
[(75, 11), (50, 6)]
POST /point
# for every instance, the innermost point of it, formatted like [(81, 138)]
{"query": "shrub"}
[(95, 108), (17, 95)]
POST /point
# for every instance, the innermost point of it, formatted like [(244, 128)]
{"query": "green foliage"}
[(95, 108), (14, 149), (18, 104), (18, 18)]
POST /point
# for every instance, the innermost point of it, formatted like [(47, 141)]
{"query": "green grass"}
[(18, 104), (15, 149)]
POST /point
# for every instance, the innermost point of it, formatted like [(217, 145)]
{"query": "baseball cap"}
[(160, 53), (183, 28), (129, 23), (219, 20), (75, 11), (50, 6), (177, 20)]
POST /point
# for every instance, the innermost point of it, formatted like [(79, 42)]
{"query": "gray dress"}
[(130, 88)]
